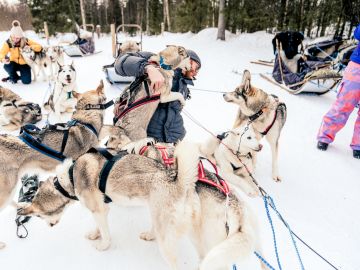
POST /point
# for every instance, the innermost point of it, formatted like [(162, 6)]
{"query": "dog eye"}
[(26, 110), (249, 138)]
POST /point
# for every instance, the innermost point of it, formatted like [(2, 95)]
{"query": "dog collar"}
[(256, 115), (163, 65), (97, 106)]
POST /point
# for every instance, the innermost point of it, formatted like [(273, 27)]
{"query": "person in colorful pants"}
[(347, 99)]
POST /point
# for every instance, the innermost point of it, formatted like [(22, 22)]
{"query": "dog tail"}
[(62, 170), (187, 157), (236, 248)]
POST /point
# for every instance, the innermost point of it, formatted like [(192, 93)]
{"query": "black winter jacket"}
[(167, 124)]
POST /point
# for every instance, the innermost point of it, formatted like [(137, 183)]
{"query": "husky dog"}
[(61, 100), (176, 206), (15, 112), (232, 152), (264, 111), (135, 122), (16, 156), (129, 46), (55, 54), (288, 43), (36, 60)]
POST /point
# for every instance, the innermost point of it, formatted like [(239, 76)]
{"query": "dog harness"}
[(168, 161), (221, 185), (104, 173), (131, 104), (255, 116), (29, 135)]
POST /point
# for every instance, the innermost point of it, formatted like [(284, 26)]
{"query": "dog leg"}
[(93, 235), (274, 145), (101, 221), (148, 236), (173, 96), (2, 245)]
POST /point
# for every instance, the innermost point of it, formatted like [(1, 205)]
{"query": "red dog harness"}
[(222, 186), (168, 161)]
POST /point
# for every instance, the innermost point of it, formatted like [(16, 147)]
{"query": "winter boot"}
[(322, 146), (356, 154)]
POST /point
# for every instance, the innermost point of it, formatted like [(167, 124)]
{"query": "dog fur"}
[(289, 43), (234, 156), (176, 206), (250, 101), (55, 54), (36, 60), (16, 156), (136, 121), (16, 112), (129, 46), (62, 101)]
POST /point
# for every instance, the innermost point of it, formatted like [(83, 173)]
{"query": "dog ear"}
[(27, 210), (246, 80), (100, 88), (60, 65), (76, 94), (182, 51), (72, 64)]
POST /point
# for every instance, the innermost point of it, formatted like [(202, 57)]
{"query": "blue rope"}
[(272, 205), (264, 261), (272, 228)]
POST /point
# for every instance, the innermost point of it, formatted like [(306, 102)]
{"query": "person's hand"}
[(156, 78), (5, 60)]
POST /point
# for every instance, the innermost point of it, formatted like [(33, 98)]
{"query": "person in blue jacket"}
[(167, 124)]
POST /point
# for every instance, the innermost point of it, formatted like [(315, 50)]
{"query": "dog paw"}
[(93, 235), (69, 110), (276, 178), (2, 245), (102, 245), (147, 236)]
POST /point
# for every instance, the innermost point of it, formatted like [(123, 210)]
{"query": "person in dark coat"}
[(167, 124)]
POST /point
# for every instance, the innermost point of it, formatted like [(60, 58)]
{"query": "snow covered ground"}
[(319, 194)]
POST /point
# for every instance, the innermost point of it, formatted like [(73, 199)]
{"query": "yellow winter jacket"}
[(15, 55)]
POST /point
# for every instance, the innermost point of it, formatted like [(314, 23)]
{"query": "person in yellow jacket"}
[(11, 57)]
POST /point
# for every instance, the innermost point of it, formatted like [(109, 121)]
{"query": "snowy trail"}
[(319, 194)]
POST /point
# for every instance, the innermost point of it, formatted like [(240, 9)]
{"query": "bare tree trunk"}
[(166, 14), (122, 16), (221, 23), (82, 8), (147, 17)]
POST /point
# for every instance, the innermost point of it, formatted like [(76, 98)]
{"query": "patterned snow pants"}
[(347, 98)]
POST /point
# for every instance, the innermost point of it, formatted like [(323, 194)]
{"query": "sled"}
[(318, 85), (263, 62), (82, 46), (109, 70)]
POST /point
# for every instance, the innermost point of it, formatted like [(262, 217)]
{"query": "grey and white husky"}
[(16, 156), (61, 101), (177, 208), (267, 113), (36, 60), (16, 112), (234, 156)]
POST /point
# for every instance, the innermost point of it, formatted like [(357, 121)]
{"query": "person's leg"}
[(348, 97), (11, 69), (25, 74), (355, 143)]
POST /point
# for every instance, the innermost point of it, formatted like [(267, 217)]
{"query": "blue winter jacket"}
[(167, 124), (355, 57)]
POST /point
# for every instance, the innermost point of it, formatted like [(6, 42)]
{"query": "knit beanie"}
[(16, 30), (193, 56)]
